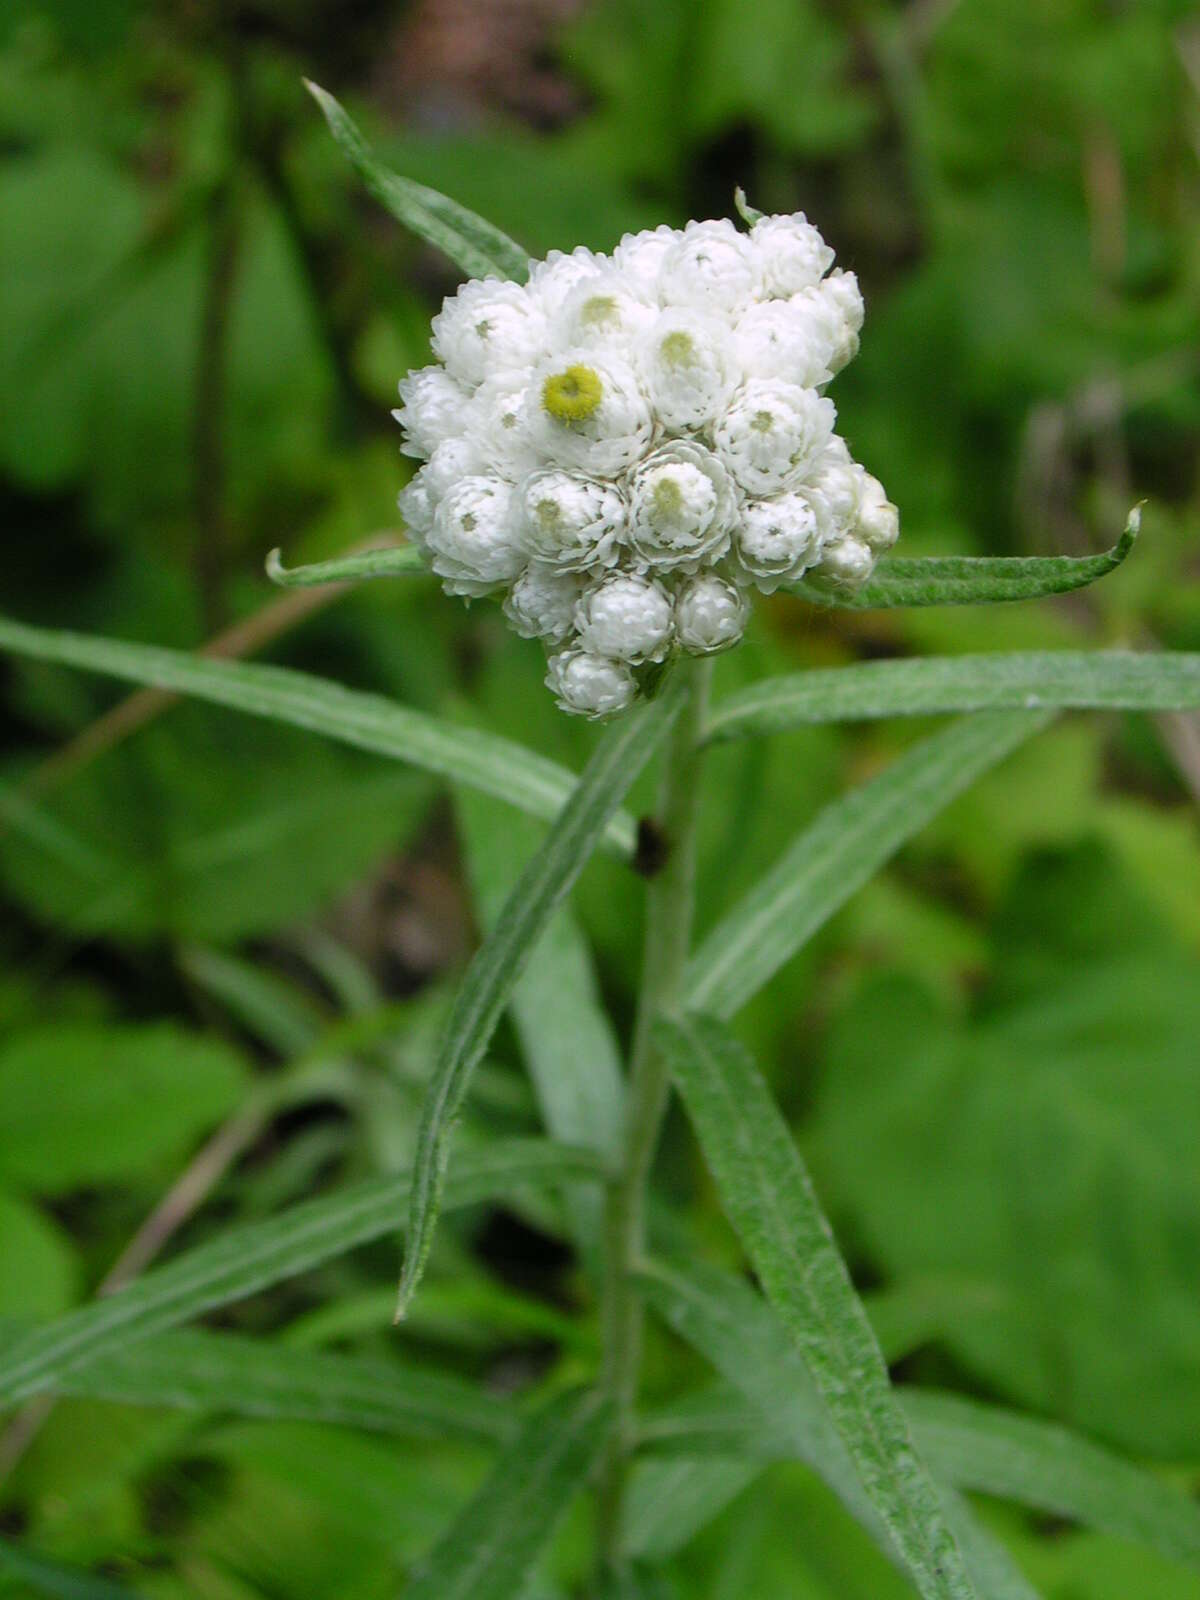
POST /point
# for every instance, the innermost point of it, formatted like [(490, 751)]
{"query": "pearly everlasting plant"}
[(626, 446), (623, 450)]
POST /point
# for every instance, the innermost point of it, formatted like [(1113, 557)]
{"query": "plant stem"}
[(669, 899)]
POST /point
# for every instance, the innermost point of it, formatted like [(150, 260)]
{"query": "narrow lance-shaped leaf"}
[(245, 1259), (192, 1369), (839, 852), (769, 1198), (394, 562), (463, 755), (1108, 680), (993, 1571), (734, 1328), (566, 1036), (990, 1450), (973, 580), (499, 961), (489, 1549), (669, 1500), (475, 245), (778, 1412), (973, 1446)]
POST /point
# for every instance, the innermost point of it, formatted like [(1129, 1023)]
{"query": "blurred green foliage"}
[(991, 1054)]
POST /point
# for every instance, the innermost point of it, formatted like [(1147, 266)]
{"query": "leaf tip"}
[(275, 568), (1133, 528), (748, 213)]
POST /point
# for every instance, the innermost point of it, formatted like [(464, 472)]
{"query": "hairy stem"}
[(668, 929)]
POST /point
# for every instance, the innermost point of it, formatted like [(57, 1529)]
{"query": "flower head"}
[(588, 684), (628, 445), (710, 614), (682, 506), (570, 521), (488, 327), (772, 433), (627, 617)]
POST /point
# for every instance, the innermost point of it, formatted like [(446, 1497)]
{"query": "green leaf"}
[(489, 1549), (90, 1103), (480, 249), (973, 580), (220, 861), (39, 1271), (43, 1576), (967, 1445), (1055, 1120), (993, 1570), (768, 1196), (245, 1259), (389, 563), (462, 755), (191, 1369), (1097, 679), (734, 1329), (497, 965), (669, 1501), (839, 852), (566, 1036), (989, 1450)]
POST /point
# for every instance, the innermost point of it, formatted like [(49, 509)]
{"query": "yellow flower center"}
[(666, 499), (678, 348), (573, 395)]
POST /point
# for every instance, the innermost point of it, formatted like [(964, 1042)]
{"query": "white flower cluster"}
[(628, 443)]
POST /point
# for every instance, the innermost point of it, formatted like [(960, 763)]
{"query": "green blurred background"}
[(992, 1056)]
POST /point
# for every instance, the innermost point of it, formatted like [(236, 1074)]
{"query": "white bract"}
[(488, 327), (682, 506), (590, 685), (710, 614), (569, 521), (471, 540), (627, 617), (688, 366), (772, 433), (778, 539), (626, 445), (541, 603)]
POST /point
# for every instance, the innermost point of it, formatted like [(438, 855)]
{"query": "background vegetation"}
[(226, 945)]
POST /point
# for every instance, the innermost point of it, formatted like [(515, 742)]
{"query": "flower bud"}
[(431, 410), (570, 521), (686, 361), (778, 539), (846, 562), (488, 327), (681, 508), (712, 267), (552, 280), (640, 256), (604, 311), (590, 685), (792, 253), (772, 433), (471, 541), (541, 603), (627, 617), (710, 614), (497, 423), (878, 523), (778, 339)]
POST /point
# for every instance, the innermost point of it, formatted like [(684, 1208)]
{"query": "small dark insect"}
[(653, 847)]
